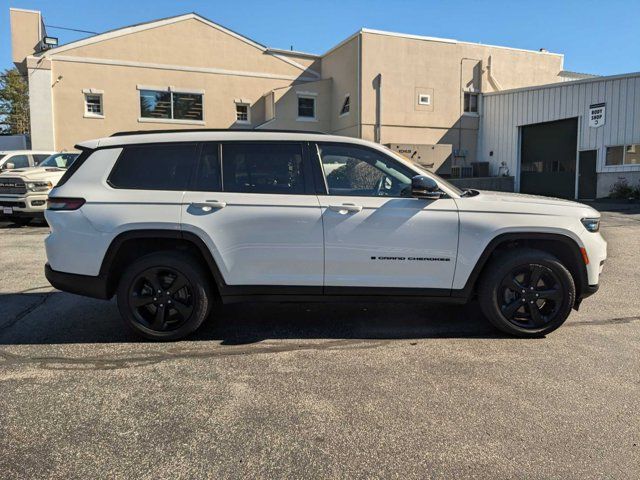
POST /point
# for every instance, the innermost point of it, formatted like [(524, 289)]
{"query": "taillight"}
[(64, 203)]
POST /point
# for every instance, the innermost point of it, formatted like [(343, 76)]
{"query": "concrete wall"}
[(504, 112), (443, 69)]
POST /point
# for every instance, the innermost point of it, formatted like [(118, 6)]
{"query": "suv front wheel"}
[(527, 292), (164, 295)]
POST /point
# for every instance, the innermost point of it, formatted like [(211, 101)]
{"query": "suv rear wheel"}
[(527, 292), (164, 296)]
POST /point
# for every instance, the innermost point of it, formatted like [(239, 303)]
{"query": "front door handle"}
[(209, 205), (345, 208)]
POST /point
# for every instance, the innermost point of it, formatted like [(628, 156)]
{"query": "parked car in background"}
[(24, 191), (12, 159), (170, 222)]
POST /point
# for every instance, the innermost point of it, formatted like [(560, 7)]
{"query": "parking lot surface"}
[(318, 391)]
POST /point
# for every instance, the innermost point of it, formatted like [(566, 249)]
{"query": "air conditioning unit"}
[(460, 171)]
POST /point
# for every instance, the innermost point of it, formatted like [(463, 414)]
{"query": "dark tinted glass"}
[(262, 168), (306, 107), (187, 106), (19, 161), (154, 167), (207, 178), (37, 158), (155, 104)]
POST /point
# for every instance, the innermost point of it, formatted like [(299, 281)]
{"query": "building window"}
[(93, 105), (424, 99), (242, 113), (306, 108), (470, 102), (623, 155), (158, 104), (346, 105)]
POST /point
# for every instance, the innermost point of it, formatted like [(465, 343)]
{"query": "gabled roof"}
[(140, 27)]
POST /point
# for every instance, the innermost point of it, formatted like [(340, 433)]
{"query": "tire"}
[(175, 309), (510, 296)]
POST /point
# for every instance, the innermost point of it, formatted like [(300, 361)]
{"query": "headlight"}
[(39, 186), (591, 224)]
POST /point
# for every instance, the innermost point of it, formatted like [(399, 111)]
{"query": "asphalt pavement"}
[(318, 391)]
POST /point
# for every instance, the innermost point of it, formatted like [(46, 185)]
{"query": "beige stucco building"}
[(189, 72)]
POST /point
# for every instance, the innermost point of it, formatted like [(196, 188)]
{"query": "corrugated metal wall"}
[(503, 113)]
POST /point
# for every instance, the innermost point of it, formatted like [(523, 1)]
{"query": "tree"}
[(14, 102)]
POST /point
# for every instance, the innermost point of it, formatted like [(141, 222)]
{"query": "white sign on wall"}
[(596, 114)]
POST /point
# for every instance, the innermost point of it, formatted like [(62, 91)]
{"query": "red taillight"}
[(64, 203)]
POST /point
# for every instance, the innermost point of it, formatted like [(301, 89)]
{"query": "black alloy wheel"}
[(161, 299), (165, 295), (530, 296), (526, 292)]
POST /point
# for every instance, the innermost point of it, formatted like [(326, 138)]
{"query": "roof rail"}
[(262, 130)]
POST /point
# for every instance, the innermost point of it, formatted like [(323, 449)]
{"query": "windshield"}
[(60, 160)]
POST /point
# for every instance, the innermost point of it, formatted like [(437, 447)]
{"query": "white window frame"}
[(310, 95), (421, 100), (340, 113), (624, 164), (96, 93), (244, 104), (172, 90), (472, 114)]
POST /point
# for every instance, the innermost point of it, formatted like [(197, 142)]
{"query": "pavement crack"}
[(27, 311), (134, 361), (608, 321)]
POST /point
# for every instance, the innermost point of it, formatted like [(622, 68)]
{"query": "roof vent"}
[(543, 50)]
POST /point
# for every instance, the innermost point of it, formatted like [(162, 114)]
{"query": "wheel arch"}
[(562, 246), (129, 245)]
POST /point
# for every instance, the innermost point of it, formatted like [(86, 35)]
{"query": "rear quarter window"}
[(154, 167)]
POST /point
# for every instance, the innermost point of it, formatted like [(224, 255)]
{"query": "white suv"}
[(169, 222)]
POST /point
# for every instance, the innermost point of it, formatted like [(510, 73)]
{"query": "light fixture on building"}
[(49, 42)]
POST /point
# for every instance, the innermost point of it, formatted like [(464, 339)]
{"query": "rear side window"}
[(154, 167), (207, 177), (263, 168)]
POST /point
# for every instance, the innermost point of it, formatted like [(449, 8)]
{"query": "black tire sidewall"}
[(500, 267), (186, 265)]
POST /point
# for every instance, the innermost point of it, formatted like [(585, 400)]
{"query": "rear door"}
[(376, 234), (254, 204)]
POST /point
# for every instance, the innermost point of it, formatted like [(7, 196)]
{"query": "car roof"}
[(215, 135)]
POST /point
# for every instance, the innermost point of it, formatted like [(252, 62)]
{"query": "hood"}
[(51, 174), (525, 203)]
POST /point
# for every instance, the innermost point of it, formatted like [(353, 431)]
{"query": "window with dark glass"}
[(262, 168), (154, 167), (19, 161), (242, 112), (615, 156), (363, 172), (38, 158), (470, 102), (207, 177), (306, 107), (170, 105)]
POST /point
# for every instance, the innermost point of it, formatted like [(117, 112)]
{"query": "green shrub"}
[(622, 189)]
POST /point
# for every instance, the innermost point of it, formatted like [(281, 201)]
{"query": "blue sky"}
[(600, 37)]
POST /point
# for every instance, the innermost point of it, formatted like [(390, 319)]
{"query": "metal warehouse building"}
[(572, 139)]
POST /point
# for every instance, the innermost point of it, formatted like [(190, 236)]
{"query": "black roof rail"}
[(262, 130)]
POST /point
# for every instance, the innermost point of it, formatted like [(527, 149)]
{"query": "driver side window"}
[(355, 171)]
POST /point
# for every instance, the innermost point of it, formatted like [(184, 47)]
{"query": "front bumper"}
[(86, 285), (23, 205)]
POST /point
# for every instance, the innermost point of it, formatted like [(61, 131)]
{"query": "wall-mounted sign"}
[(596, 114)]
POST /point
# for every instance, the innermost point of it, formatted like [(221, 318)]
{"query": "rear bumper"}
[(86, 285)]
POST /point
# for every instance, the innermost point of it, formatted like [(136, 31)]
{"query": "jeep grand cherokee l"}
[(171, 222)]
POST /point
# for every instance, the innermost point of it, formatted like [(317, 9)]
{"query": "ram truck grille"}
[(12, 186)]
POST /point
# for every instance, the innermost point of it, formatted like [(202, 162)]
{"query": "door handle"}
[(209, 205), (346, 207)]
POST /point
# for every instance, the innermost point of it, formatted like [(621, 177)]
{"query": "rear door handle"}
[(346, 207), (209, 205)]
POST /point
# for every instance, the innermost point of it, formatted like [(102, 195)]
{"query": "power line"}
[(72, 29)]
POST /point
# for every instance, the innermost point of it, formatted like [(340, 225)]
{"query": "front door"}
[(587, 177), (376, 235), (254, 205)]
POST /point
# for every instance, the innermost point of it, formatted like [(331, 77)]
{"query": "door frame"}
[(597, 152)]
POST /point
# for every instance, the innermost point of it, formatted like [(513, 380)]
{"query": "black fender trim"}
[(582, 280), (86, 285)]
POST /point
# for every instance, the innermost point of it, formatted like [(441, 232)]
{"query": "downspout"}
[(492, 79), (377, 82)]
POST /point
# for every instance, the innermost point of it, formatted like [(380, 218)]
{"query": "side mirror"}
[(9, 166), (425, 187)]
